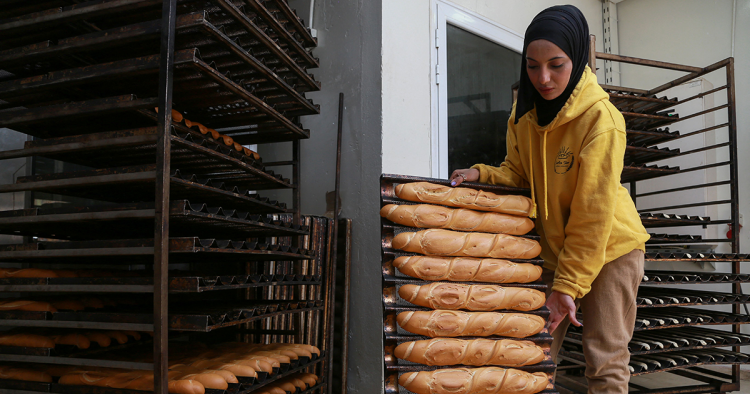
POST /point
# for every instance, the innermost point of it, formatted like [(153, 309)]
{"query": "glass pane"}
[(480, 75)]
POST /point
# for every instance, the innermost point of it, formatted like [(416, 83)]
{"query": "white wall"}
[(695, 33), (407, 105)]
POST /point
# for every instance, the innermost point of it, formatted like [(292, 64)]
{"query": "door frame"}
[(444, 12)]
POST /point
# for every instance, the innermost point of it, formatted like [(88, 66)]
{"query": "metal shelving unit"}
[(129, 94), (672, 333)]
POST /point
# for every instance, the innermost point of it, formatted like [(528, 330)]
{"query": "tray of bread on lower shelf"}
[(194, 368), (463, 299)]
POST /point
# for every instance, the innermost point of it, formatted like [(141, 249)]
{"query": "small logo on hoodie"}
[(564, 160)]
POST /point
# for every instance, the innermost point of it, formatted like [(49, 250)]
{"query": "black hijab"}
[(566, 27)]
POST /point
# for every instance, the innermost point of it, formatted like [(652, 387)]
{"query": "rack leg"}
[(161, 220)]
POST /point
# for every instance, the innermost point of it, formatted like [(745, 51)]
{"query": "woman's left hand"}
[(561, 305)]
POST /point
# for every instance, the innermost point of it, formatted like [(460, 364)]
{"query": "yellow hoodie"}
[(586, 217)]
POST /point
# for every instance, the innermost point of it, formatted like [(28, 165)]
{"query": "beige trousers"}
[(608, 320)]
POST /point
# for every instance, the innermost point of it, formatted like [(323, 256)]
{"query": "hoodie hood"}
[(586, 93)]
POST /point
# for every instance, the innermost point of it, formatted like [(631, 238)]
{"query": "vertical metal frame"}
[(161, 203), (735, 196)]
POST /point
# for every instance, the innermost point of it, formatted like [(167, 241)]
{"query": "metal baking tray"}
[(135, 220), (194, 317), (136, 183), (187, 249)]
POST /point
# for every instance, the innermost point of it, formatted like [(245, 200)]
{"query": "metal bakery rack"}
[(688, 206), (125, 96), (393, 279)]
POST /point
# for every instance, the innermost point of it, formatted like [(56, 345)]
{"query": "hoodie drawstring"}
[(544, 170), (544, 166), (531, 169)]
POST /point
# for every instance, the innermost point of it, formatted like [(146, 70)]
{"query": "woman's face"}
[(549, 68)]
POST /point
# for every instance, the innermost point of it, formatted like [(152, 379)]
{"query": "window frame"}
[(444, 13)]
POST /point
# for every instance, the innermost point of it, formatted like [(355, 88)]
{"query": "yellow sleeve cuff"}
[(483, 173), (565, 289)]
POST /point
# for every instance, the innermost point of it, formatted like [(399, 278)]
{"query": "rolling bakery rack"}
[(393, 279), (155, 210), (695, 175)]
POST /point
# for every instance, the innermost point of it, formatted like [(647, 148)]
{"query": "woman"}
[(566, 142)]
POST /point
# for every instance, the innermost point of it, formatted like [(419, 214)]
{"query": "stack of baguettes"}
[(468, 243)]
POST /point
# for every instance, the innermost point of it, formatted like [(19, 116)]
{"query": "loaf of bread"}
[(185, 387), (443, 323), (472, 297), (208, 380), (29, 375), (228, 376), (476, 352), (27, 273), (76, 339), (260, 365), (133, 380), (462, 197), (99, 338), (26, 340), (467, 269), (451, 243), (26, 305), (435, 216), (310, 379), (286, 385), (69, 305), (88, 378), (490, 380), (236, 369)]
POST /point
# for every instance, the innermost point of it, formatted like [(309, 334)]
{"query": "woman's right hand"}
[(466, 174)]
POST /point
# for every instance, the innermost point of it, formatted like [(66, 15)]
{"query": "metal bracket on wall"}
[(609, 29)]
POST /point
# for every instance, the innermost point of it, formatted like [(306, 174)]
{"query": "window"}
[(476, 62)]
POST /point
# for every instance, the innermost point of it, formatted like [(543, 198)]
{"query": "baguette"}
[(472, 297), (226, 375), (435, 216), (118, 336), (237, 369), (78, 340), (451, 243), (286, 385), (98, 337), (29, 375), (256, 364), (310, 379), (467, 269), (273, 362), (208, 380), (27, 273), (465, 324), (27, 340), (477, 352), (69, 305), (490, 380), (88, 378), (462, 197), (185, 387), (25, 305)]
